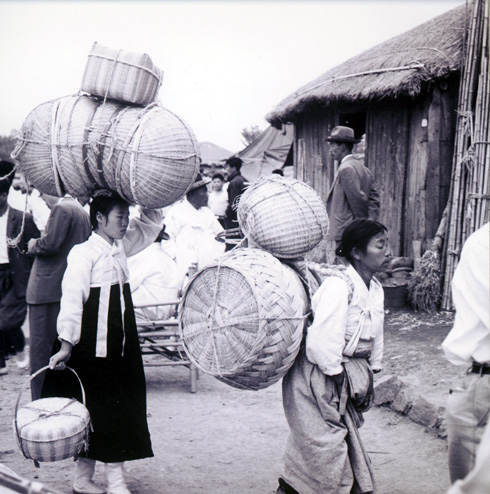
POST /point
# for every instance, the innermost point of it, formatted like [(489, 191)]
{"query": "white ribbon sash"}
[(115, 260)]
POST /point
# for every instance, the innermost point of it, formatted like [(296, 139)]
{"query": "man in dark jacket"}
[(236, 185), (68, 225), (353, 193), (15, 266)]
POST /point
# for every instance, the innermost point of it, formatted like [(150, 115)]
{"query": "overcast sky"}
[(226, 63)]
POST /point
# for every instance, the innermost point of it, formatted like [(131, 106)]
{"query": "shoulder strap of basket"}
[(322, 271)]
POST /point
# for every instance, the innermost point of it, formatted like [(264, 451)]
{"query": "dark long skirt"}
[(115, 386)]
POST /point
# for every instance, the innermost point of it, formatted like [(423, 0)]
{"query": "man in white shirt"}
[(218, 197), (193, 228), (20, 192), (468, 344)]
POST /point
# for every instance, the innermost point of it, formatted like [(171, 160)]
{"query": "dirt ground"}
[(222, 440)]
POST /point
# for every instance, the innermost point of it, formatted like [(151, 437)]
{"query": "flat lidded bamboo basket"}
[(242, 318), (283, 216), (79, 144), (52, 429), (121, 75)]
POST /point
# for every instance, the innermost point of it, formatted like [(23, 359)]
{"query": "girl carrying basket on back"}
[(98, 339), (331, 381)]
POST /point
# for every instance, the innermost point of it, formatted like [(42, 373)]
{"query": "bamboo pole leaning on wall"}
[(469, 195)]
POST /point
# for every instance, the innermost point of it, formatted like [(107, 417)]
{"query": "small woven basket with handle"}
[(242, 318), (51, 429)]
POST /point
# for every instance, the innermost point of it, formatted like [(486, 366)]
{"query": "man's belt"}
[(4, 266), (481, 369)]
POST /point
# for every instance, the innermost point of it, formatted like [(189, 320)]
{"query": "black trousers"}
[(13, 312)]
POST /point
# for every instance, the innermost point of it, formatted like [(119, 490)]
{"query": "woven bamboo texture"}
[(52, 429), (283, 216), (121, 75), (313, 274), (242, 318), (79, 144)]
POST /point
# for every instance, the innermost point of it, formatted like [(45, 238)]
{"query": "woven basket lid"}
[(50, 419), (284, 216), (242, 318)]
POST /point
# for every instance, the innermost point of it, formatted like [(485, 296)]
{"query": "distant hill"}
[(211, 153)]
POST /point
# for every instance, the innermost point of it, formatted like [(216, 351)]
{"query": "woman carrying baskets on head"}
[(97, 335), (331, 381)]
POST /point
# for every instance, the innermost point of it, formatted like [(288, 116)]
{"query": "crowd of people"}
[(72, 273)]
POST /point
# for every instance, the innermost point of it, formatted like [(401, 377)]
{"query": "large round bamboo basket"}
[(284, 216), (79, 144), (242, 318)]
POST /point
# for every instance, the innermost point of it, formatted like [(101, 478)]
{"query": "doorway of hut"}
[(356, 121)]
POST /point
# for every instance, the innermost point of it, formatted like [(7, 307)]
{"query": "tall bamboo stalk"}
[(469, 188)]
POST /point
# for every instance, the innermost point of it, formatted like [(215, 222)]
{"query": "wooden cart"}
[(162, 337)]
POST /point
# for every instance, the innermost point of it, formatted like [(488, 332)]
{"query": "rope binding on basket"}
[(82, 446)]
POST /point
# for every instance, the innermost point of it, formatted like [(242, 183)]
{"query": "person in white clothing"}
[(97, 337), (218, 197), (330, 383), (193, 229), (21, 192), (468, 344), (154, 280)]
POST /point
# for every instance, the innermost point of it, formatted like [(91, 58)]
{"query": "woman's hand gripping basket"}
[(51, 429), (242, 318), (283, 216)]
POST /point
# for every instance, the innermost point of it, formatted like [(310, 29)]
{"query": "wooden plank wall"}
[(416, 200), (430, 163), (317, 170), (386, 156), (442, 128), (409, 149)]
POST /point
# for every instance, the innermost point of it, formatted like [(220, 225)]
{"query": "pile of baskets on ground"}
[(242, 318)]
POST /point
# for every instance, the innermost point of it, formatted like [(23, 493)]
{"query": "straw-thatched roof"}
[(398, 67)]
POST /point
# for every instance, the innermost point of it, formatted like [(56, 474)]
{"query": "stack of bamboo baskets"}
[(112, 135), (242, 319)]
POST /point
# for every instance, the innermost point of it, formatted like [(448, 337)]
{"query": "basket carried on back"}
[(79, 144), (242, 318), (284, 216), (51, 429), (121, 75)]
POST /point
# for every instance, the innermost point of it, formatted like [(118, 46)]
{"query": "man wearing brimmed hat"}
[(192, 228), (353, 193)]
